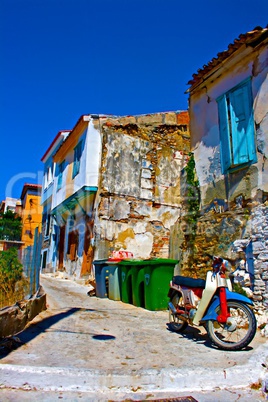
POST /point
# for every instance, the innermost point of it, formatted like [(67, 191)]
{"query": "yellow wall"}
[(31, 218)]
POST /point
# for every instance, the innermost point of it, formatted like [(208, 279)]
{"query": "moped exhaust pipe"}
[(175, 312)]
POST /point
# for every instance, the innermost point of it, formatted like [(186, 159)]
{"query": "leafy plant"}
[(12, 282), (192, 213), (237, 288), (193, 193), (10, 226)]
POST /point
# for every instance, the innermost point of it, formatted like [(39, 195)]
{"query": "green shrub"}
[(237, 288), (12, 282)]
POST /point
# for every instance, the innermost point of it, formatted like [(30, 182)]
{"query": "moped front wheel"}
[(175, 323), (237, 332)]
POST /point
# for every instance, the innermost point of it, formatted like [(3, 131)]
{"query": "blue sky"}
[(64, 58)]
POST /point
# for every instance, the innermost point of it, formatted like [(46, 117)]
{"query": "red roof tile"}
[(250, 38), (53, 142)]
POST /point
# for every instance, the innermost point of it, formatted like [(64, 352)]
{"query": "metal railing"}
[(28, 285)]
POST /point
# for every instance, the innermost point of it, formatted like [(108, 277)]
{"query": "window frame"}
[(44, 258), (77, 159), (47, 226), (60, 175)]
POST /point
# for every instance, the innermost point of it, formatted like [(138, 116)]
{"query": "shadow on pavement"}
[(103, 337), (7, 345), (195, 335)]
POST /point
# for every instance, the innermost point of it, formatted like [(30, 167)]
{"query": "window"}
[(61, 169), (237, 127), (77, 157), (44, 259), (47, 228), (48, 177)]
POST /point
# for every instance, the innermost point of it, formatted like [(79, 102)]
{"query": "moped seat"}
[(189, 282)]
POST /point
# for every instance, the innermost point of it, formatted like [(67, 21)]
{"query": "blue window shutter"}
[(75, 168), (59, 181), (77, 157), (242, 124), (61, 169), (226, 156)]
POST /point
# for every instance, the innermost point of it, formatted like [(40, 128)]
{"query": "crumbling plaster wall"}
[(234, 217), (139, 196)]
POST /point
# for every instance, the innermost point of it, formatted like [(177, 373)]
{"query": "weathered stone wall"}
[(139, 197), (256, 250), (239, 234), (135, 225), (13, 319)]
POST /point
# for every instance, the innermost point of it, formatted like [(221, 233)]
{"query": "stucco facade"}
[(49, 225), (139, 196), (245, 60), (228, 107), (31, 212)]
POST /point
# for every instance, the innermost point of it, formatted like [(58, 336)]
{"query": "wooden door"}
[(61, 247), (88, 253)]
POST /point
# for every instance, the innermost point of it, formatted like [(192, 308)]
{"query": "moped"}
[(227, 316)]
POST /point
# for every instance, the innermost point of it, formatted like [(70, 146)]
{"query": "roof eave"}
[(78, 126), (53, 145)]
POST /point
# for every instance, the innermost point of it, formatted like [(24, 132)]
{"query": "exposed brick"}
[(183, 118)]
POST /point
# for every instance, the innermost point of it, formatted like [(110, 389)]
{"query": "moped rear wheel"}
[(175, 323), (239, 330)]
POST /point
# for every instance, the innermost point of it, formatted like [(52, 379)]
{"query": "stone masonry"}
[(139, 198)]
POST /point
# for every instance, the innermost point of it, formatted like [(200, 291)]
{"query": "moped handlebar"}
[(217, 263), (214, 257)]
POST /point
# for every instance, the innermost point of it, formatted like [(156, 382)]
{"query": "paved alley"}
[(100, 349)]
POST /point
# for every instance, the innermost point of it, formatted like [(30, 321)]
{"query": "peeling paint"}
[(128, 233), (142, 162), (233, 195)]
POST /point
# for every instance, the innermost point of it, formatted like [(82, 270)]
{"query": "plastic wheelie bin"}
[(113, 281), (107, 279), (125, 282), (157, 276)]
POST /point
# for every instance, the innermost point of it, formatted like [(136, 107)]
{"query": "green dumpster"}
[(157, 276), (138, 290), (145, 283), (125, 282), (132, 282)]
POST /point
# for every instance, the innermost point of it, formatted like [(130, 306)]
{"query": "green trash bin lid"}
[(132, 262)]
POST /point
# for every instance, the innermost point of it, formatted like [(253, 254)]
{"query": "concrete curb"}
[(142, 381)]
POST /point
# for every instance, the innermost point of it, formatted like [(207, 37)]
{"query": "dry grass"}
[(11, 293)]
